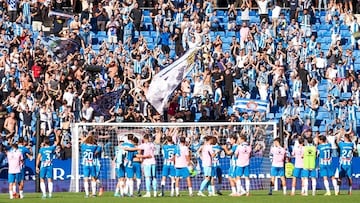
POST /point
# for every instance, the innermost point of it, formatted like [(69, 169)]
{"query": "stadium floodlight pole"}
[(37, 147)]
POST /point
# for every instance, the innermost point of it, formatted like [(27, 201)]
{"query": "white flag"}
[(166, 81)]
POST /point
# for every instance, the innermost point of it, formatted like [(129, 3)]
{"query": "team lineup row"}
[(132, 157)]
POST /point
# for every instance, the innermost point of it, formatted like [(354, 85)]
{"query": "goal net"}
[(260, 135)]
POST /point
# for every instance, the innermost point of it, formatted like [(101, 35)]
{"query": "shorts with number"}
[(89, 171), (277, 171), (137, 169), (46, 172), (326, 171), (231, 172), (306, 173), (168, 171), (242, 171), (13, 178), (345, 171), (216, 171), (150, 170), (182, 172), (207, 171), (120, 172), (297, 173)]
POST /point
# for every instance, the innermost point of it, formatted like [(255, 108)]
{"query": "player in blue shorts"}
[(182, 162), (230, 150), (326, 171), (137, 167), (298, 154), (128, 163), (88, 152), (347, 149), (168, 169), (243, 154), (216, 168), (44, 165), (27, 153), (15, 162), (119, 169), (97, 165)]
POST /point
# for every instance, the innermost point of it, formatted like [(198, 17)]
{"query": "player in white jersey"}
[(15, 161), (118, 162)]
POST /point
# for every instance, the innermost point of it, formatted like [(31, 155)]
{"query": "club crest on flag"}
[(250, 105)]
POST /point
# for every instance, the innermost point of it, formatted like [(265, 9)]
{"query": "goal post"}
[(260, 135)]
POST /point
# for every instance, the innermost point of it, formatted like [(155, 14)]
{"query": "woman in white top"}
[(198, 85), (314, 91)]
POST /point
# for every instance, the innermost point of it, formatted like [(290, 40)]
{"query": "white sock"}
[(326, 185), (11, 194), (190, 190), (43, 188), (14, 189), (177, 190), (172, 187), (50, 187), (313, 181), (86, 188), (293, 190), (306, 185), (21, 192), (138, 183), (131, 187), (233, 190), (238, 186), (247, 185), (126, 187), (162, 183), (335, 185), (213, 189), (93, 187), (121, 188), (117, 189), (284, 190)]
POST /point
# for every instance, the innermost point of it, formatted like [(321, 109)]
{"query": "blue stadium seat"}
[(146, 12), (220, 13), (344, 27), (101, 34), (197, 117), (230, 34)]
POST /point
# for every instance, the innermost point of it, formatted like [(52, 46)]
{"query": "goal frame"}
[(75, 163)]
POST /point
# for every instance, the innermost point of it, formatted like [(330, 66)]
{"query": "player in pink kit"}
[(207, 153), (149, 164), (298, 154), (15, 161), (277, 155), (182, 161), (243, 153)]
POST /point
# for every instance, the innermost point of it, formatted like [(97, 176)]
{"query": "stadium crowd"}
[(268, 53)]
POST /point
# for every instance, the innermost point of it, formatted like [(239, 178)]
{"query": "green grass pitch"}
[(256, 197)]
